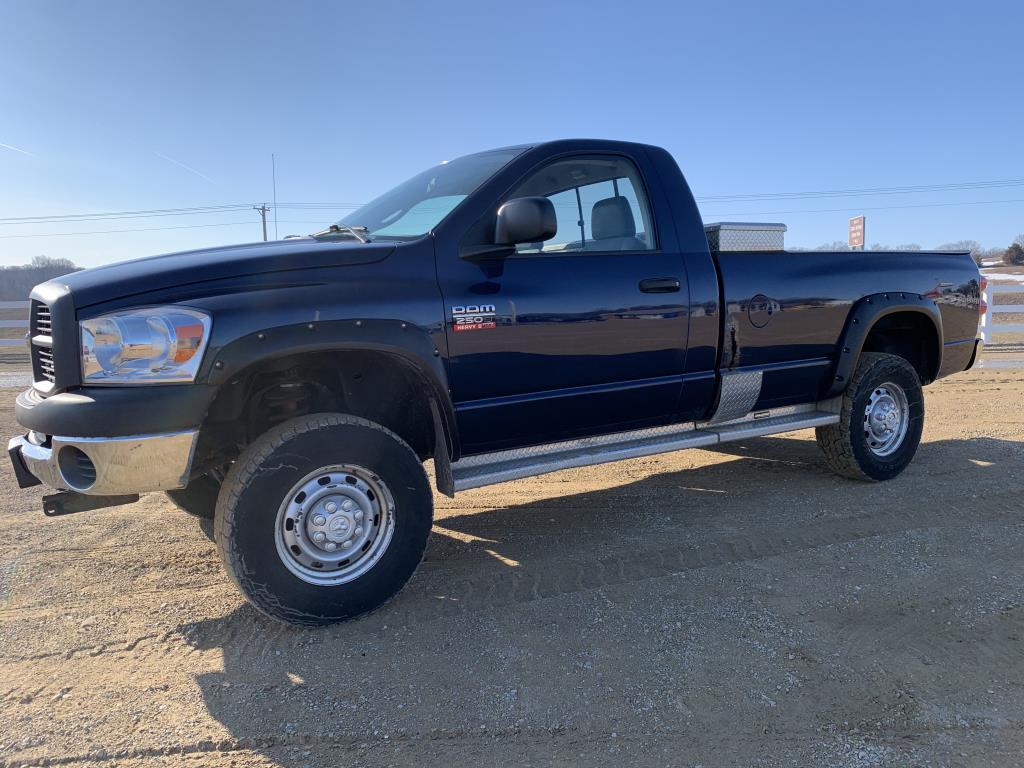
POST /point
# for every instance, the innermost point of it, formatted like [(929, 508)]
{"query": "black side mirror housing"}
[(520, 220), (525, 220)]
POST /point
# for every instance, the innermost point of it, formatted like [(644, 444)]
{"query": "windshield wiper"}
[(359, 233)]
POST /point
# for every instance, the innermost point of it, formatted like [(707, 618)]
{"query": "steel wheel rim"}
[(886, 419), (334, 524)]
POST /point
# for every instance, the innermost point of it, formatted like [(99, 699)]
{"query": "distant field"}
[(995, 273), (14, 359), (13, 314)]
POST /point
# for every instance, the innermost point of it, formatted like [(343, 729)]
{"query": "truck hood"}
[(128, 278)]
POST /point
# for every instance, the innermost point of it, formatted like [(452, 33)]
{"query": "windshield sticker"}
[(474, 317)]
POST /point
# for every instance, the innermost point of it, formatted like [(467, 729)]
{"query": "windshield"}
[(415, 206)]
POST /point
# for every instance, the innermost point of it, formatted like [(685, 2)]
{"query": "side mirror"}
[(521, 220), (525, 220)]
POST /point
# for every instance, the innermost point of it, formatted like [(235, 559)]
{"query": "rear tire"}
[(880, 422), (323, 518)]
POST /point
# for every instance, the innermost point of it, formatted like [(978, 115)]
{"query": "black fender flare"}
[(411, 344), (863, 316)]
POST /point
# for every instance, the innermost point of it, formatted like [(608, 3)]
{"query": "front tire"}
[(323, 518), (880, 422)]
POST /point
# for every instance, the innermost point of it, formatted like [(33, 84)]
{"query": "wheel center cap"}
[(340, 527)]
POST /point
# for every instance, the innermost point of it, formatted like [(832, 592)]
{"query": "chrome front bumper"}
[(106, 466)]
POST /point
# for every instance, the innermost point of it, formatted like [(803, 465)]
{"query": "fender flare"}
[(863, 316), (411, 344)]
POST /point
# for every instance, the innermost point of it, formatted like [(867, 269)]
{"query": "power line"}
[(317, 206), (869, 191), (156, 229), (123, 214), (857, 192), (113, 215), (708, 214), (320, 221), (874, 208), (142, 229)]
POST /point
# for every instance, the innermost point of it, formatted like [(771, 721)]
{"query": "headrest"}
[(612, 217)]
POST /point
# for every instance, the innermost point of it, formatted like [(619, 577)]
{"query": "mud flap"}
[(443, 477)]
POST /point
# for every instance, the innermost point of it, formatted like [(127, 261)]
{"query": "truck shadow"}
[(433, 663)]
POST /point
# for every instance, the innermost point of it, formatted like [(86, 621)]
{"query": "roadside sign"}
[(857, 233)]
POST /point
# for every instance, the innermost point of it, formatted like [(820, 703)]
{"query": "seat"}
[(612, 226)]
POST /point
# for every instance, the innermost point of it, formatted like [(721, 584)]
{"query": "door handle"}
[(659, 285)]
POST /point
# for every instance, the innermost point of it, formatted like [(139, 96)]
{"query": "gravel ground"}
[(738, 607)]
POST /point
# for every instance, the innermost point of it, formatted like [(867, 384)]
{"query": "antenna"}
[(273, 176)]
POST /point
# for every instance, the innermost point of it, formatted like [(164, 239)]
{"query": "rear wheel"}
[(880, 422), (323, 518)]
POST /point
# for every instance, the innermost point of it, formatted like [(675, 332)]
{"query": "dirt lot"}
[(736, 607)]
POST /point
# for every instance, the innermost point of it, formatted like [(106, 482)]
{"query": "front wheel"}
[(323, 518), (880, 422)]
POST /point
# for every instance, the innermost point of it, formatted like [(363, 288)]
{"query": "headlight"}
[(154, 344)]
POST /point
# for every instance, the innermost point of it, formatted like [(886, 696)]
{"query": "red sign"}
[(857, 232)]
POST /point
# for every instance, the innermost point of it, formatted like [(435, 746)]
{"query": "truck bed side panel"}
[(785, 311)]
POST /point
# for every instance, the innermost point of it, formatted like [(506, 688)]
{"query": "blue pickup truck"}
[(506, 314)]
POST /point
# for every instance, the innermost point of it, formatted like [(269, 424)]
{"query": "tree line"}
[(1011, 255), (16, 282)]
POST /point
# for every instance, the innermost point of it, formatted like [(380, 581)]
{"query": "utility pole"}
[(263, 211)]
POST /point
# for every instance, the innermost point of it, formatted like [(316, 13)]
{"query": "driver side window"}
[(600, 205)]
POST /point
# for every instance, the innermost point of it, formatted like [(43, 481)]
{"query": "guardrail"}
[(14, 323), (989, 327)]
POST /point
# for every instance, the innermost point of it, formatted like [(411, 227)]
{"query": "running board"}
[(502, 466)]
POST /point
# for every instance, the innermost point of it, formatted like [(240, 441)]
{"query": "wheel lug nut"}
[(359, 515), (359, 531), (347, 505), (319, 520), (331, 508), (346, 544), (319, 536), (331, 546)]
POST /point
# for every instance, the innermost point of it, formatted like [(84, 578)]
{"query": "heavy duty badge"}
[(473, 317)]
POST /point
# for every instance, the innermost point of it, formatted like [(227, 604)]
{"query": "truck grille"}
[(45, 357), (42, 354), (44, 324)]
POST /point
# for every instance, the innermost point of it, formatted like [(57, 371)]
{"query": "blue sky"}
[(126, 106)]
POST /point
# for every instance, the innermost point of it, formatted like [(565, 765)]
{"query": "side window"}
[(599, 202)]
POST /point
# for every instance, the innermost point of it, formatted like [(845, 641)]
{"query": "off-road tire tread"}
[(835, 440), (245, 467)]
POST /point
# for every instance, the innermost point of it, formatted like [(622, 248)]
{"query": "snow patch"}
[(1002, 276)]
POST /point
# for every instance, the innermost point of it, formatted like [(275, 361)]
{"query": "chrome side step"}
[(502, 466)]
